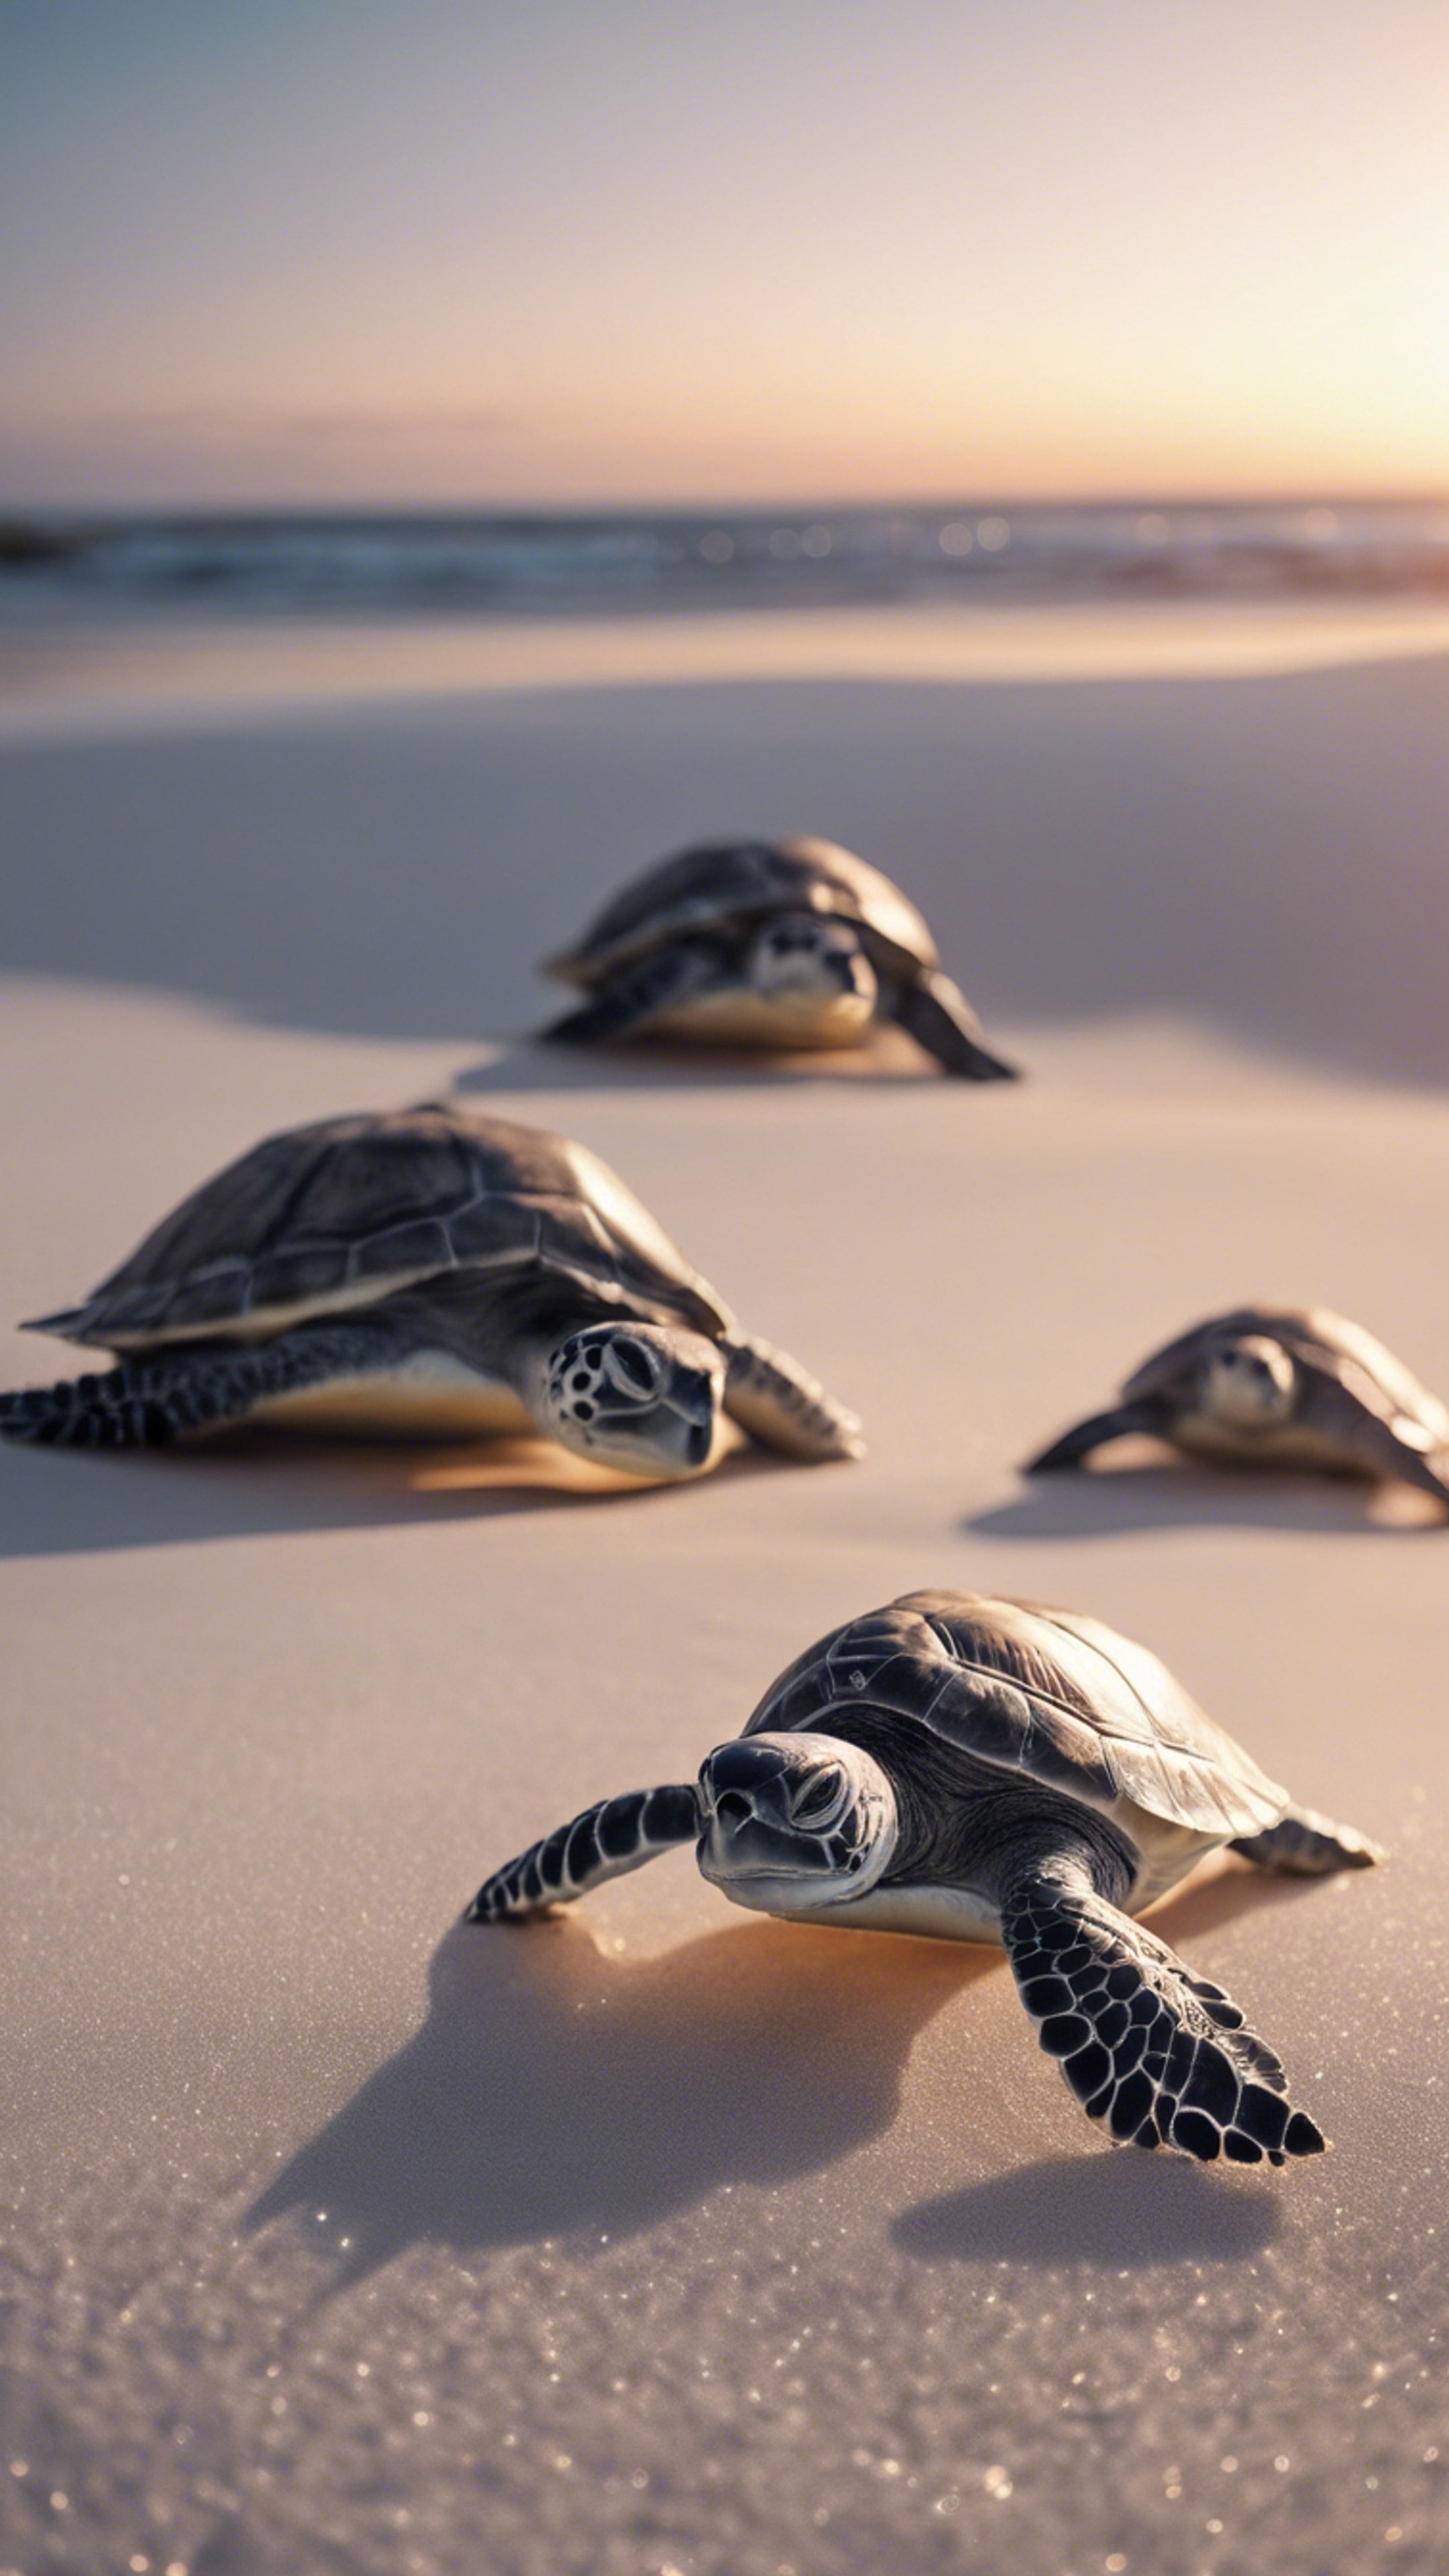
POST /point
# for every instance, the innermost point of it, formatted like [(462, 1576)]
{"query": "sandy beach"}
[(663, 2241)]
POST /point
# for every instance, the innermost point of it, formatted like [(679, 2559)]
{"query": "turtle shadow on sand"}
[(555, 2089), (1116, 2208), (259, 1484), (1155, 1489)]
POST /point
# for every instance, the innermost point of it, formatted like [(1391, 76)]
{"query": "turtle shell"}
[(1044, 1694), (343, 1214), (1319, 1341), (722, 883)]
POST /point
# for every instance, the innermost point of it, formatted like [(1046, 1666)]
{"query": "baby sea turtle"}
[(768, 944), (426, 1272), (985, 1770), (1277, 1386)]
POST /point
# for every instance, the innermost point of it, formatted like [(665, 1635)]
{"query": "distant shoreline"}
[(573, 562)]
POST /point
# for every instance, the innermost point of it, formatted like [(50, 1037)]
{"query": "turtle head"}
[(790, 1824), (1249, 1382), (641, 1397), (806, 957)]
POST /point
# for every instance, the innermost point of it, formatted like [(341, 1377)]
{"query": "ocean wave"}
[(753, 558)]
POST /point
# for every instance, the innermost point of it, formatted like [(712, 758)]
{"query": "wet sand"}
[(104, 669), (662, 2238)]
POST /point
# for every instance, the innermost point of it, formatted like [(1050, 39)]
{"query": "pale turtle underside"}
[(724, 884), (339, 1215), (1044, 1695)]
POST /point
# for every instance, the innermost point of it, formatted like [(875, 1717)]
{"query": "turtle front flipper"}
[(617, 1835), (777, 1401), (147, 1403), (940, 1019), (1076, 1446), (1163, 2058), (638, 994)]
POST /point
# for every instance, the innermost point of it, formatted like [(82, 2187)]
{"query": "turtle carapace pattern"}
[(1277, 1386), (426, 1273), (993, 1770), (781, 944)]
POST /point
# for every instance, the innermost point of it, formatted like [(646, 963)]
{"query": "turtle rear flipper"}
[(636, 995), (777, 1401), (1163, 2058), (1076, 1446), (1304, 1844), (938, 1016), (1346, 1406), (617, 1835)]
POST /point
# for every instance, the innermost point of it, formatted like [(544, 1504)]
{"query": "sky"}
[(595, 251)]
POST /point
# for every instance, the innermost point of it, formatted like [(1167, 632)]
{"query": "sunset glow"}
[(352, 252)]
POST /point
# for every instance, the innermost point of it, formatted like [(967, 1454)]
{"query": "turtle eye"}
[(631, 1367), (819, 1797)]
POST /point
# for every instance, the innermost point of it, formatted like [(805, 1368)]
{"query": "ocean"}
[(567, 562)]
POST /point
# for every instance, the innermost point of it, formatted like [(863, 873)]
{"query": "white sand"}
[(665, 2238)]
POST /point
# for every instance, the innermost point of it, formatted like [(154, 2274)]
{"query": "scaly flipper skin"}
[(777, 1401), (940, 1019), (617, 1835), (146, 1403), (1075, 1447), (1162, 2057), (638, 994), (1306, 1845)]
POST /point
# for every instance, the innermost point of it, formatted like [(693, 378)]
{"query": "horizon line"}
[(1295, 497)]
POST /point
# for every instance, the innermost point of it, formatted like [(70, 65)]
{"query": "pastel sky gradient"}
[(592, 250)]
